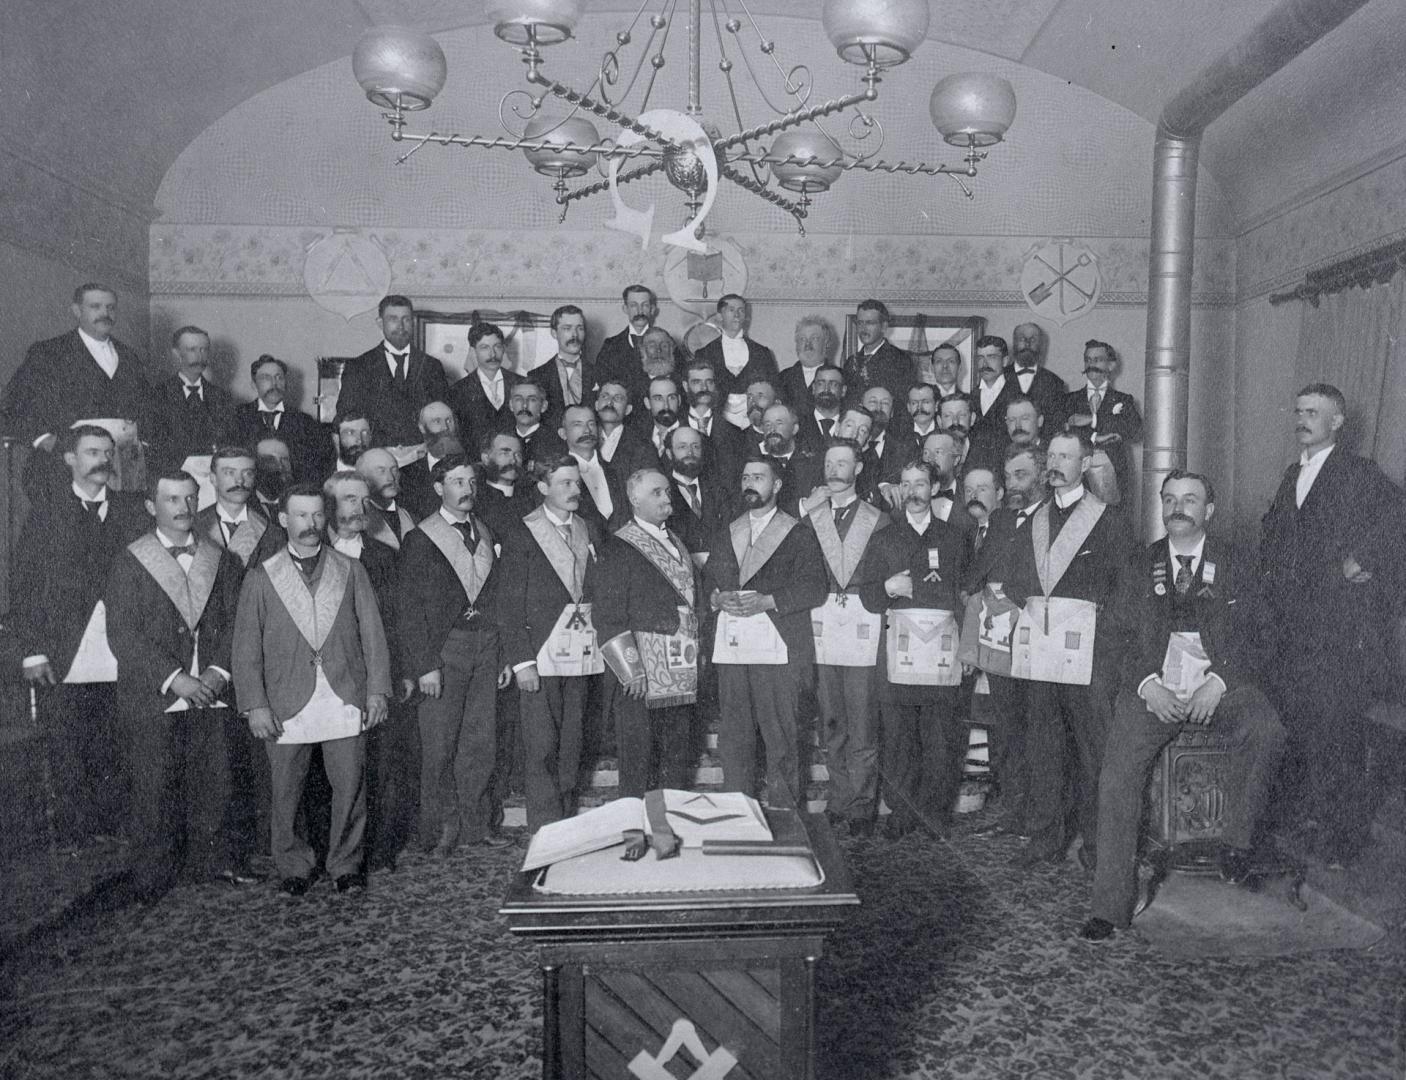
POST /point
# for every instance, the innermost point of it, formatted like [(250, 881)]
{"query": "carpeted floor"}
[(956, 966)]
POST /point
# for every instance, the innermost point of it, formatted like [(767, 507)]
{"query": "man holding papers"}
[(1187, 665), (763, 578)]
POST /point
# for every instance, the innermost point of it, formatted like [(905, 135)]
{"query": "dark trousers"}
[(925, 736), (1066, 728), (86, 764), (850, 729), (507, 766), (344, 762), (1134, 741), (551, 744), (762, 698), (246, 821), (1003, 713), (655, 748), (458, 742), (180, 782), (392, 784)]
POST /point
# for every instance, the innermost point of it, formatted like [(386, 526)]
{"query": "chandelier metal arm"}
[(604, 111), (605, 149), (796, 209), (596, 187), (790, 120)]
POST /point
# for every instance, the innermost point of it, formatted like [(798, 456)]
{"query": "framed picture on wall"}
[(920, 334), (527, 337)]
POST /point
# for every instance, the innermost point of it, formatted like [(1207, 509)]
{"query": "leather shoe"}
[(295, 886), (238, 875), (1097, 929), (1236, 865), (355, 881)]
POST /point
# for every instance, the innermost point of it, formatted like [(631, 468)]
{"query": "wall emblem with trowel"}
[(1061, 280)]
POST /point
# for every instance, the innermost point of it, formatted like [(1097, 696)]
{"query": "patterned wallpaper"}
[(594, 265)]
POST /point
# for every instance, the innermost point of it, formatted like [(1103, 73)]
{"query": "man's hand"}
[(528, 681), (1202, 705), (1081, 420), (1111, 439), (1352, 570), (505, 676), (376, 710), (407, 687), (193, 690), (746, 605), (1164, 704), (215, 681), (815, 499), (890, 493), (901, 584), (432, 683), (635, 687), (40, 674), (263, 724)]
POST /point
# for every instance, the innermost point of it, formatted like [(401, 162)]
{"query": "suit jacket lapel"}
[(561, 557), (777, 529), (676, 573), (472, 569), (188, 593), (1053, 559)]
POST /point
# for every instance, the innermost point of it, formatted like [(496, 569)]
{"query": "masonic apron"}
[(846, 632), (1054, 635), (753, 639), (188, 592), (670, 660), (571, 648)]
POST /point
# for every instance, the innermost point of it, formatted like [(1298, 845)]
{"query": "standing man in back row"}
[(737, 360), (879, 362), (391, 382)]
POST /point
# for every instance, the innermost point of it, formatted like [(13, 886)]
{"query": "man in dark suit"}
[(702, 505), (388, 520), (60, 622), (764, 576), (548, 574), (737, 360), (944, 371), (815, 342), (993, 390), (602, 501), (1330, 573), (907, 439), (189, 411), (1110, 416), (354, 436), (527, 401), (1073, 549), (619, 357), (725, 445), (171, 598), (417, 492), (568, 378), (624, 444), (454, 653), (273, 471), (1188, 664), (393, 381), (1028, 373), (822, 412), (664, 404), (85, 374), (505, 496), (803, 470), (481, 400), (309, 442), (878, 362)]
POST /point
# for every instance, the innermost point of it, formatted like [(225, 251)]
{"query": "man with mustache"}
[(527, 400), (1110, 416), (189, 411), (273, 471), (393, 380), (664, 402), (657, 353), (309, 447), (354, 437), (60, 622), (388, 520), (917, 566), (878, 361), (815, 341), (761, 395), (620, 443), (305, 678), (416, 490), (1329, 571), (1028, 374), (827, 397), (503, 497), (619, 357), (85, 374), (921, 402), (171, 598), (724, 445), (804, 469), (1188, 664), (451, 652), (542, 605), (881, 447), (954, 414), (944, 371), (940, 450), (764, 576), (737, 360), (568, 378), (602, 490), (988, 428), (845, 528), (482, 400), (701, 503)]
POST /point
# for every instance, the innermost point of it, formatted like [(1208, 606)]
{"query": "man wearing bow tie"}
[(1189, 664), (993, 389), (389, 521), (60, 622), (619, 357), (190, 410), (1028, 373), (171, 598), (941, 450), (568, 378), (393, 381), (310, 448), (602, 489), (878, 362), (1110, 416), (481, 400)]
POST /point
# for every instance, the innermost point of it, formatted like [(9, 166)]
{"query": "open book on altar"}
[(692, 816)]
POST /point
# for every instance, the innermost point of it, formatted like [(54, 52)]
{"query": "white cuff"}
[(36, 442), (34, 661), (1212, 675), (519, 667), (1141, 685), (166, 686)]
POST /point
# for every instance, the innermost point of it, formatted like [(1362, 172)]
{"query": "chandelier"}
[(797, 150)]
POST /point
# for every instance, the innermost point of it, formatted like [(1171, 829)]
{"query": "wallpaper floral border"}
[(487, 264)]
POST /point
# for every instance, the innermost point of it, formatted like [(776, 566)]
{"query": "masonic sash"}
[(189, 593), (753, 639), (846, 632), (246, 538), (570, 649), (471, 568), (670, 660)]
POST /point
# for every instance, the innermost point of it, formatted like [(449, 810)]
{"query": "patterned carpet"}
[(956, 966)]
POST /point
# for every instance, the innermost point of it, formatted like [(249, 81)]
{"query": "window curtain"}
[(1356, 340)]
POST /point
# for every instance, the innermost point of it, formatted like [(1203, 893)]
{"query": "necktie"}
[(92, 506), (467, 531), (307, 564), (1183, 580), (694, 502), (980, 535), (401, 359), (495, 394), (177, 552), (192, 394), (270, 420), (230, 527), (1095, 400), (573, 383), (565, 531), (827, 426)]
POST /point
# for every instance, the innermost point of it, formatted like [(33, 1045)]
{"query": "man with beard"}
[(646, 613), (944, 370), (803, 470), (761, 395), (392, 747), (1028, 373), (388, 521), (814, 343), (846, 638), (482, 400), (724, 445), (309, 447), (171, 598), (312, 666), (527, 400), (914, 574), (878, 362), (621, 444), (231, 522), (1186, 665), (503, 499), (1110, 416), (60, 622), (273, 471), (764, 576), (452, 652), (879, 402), (542, 608), (827, 396), (189, 411), (988, 428), (657, 353), (954, 414), (602, 491), (664, 402), (619, 357), (568, 378), (416, 489), (1072, 556), (701, 503), (737, 360), (353, 437), (940, 450), (390, 383)]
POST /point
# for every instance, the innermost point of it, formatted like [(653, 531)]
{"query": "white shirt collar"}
[(101, 496), (188, 385), (1070, 497), (684, 481), (529, 431), (758, 524), (496, 379), (349, 545), (1316, 458), (168, 543), (1090, 388), (238, 519), (592, 462), (392, 351), (547, 510), (919, 525), (1195, 553), (449, 517), (656, 531), (91, 343), (265, 408), (498, 485), (836, 504)]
